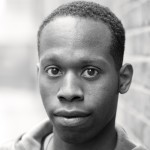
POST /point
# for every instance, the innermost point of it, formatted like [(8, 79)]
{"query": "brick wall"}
[(134, 107)]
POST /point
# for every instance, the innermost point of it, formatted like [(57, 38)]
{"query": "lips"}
[(71, 118), (71, 114)]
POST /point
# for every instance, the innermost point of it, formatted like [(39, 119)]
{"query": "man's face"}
[(77, 77)]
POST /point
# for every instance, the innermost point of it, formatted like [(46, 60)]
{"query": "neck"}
[(106, 139)]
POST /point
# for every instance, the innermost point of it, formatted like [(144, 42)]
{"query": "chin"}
[(75, 138), (78, 136)]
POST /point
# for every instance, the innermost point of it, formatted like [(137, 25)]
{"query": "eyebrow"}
[(82, 60)]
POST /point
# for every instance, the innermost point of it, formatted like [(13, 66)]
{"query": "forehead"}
[(75, 31)]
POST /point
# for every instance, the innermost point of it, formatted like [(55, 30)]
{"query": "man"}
[(81, 47)]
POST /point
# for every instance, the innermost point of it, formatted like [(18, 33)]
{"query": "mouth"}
[(71, 113), (71, 118)]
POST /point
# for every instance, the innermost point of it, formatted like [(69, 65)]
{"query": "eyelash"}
[(52, 67), (84, 73), (95, 69)]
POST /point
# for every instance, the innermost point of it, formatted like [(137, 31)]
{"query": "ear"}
[(125, 78)]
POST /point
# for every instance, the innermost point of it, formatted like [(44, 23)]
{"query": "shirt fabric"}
[(29, 143)]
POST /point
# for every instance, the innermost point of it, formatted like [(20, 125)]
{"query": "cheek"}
[(48, 93), (102, 96), (103, 105), (102, 100), (103, 88), (47, 88)]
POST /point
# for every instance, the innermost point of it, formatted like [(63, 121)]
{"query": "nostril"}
[(76, 98), (61, 98), (70, 98)]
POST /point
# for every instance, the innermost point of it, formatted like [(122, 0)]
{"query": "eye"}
[(53, 71), (90, 73)]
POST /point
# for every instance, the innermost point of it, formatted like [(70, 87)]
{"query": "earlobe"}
[(125, 78)]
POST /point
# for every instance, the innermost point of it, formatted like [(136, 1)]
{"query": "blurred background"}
[(20, 103)]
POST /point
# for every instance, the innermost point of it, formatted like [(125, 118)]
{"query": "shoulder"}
[(7, 146), (10, 145), (23, 142), (13, 144), (123, 142), (32, 140), (139, 148), (47, 141)]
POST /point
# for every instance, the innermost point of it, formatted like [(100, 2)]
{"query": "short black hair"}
[(95, 12)]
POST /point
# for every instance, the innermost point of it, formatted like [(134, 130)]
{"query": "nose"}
[(70, 90)]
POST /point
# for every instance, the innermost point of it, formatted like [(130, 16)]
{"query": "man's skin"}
[(79, 83)]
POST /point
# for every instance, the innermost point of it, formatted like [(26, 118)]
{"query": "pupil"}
[(54, 70), (91, 72)]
